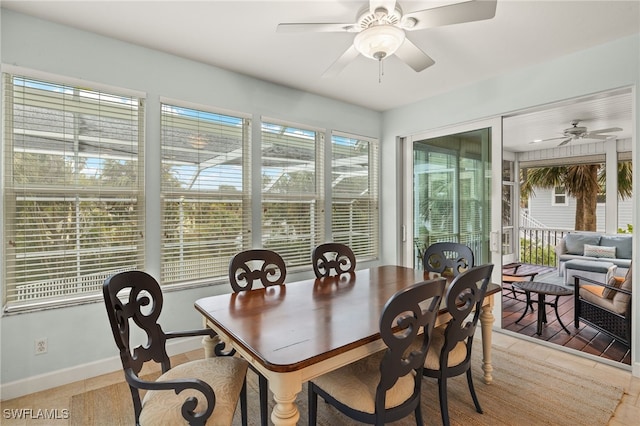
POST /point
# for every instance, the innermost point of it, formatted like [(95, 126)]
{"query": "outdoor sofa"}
[(595, 247)]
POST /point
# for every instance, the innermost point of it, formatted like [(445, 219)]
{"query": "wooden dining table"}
[(298, 331)]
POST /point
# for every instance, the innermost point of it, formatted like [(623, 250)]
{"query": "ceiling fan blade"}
[(315, 28), (389, 5), (349, 55), (609, 130), (549, 139), (564, 142), (601, 137), (413, 56), (474, 10)]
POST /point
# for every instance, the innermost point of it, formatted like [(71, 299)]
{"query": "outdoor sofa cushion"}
[(575, 242), (622, 243)]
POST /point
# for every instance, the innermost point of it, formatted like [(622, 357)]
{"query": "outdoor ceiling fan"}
[(381, 27), (581, 132)]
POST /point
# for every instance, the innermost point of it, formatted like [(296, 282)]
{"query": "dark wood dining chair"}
[(386, 386), (253, 265), (193, 392), (267, 267), (448, 258), (450, 352), (333, 257)]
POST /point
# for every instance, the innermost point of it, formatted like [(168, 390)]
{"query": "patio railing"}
[(537, 245)]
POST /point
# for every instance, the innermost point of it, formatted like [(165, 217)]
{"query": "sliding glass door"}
[(447, 189), (451, 191)]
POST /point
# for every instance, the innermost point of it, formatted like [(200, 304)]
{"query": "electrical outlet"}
[(40, 346)]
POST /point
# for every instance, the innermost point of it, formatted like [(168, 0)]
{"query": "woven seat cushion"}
[(355, 385), (456, 356), (224, 374)]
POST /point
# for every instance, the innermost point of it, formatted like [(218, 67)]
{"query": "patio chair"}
[(448, 258), (605, 306), (386, 386), (193, 392)]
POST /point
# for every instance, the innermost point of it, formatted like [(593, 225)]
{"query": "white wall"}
[(80, 335), (605, 67)]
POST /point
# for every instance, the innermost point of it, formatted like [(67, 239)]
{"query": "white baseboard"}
[(85, 371)]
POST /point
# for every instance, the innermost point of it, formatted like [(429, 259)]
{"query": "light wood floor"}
[(627, 412)]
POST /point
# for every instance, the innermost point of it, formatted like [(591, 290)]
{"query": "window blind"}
[(205, 192), (292, 202), (73, 169), (354, 182)]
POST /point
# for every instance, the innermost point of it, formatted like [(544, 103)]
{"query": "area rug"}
[(524, 392)]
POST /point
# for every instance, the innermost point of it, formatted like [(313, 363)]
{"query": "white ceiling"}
[(241, 36)]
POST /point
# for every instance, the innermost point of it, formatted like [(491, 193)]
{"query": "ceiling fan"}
[(380, 30), (581, 132)]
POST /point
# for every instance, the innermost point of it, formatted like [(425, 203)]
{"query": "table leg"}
[(541, 313), (285, 388), (209, 344), (555, 307), (486, 327), (526, 306)]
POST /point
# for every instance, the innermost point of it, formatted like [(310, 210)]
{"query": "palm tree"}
[(581, 181)]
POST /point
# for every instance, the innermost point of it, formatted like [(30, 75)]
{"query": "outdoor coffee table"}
[(542, 289)]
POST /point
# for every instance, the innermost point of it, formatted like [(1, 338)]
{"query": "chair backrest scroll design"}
[(335, 257), (448, 257), (402, 318), (262, 265)]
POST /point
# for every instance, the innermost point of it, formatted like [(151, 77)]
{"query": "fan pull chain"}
[(380, 70)]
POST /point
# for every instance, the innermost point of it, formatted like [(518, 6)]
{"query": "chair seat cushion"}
[(593, 294), (355, 385), (224, 374), (456, 356), (589, 265)]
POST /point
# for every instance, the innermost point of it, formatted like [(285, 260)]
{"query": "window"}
[(508, 207), (354, 174), (205, 192), (559, 197), (73, 176), (292, 202)]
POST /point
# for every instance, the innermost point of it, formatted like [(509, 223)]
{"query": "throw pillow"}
[(600, 251), (608, 293)]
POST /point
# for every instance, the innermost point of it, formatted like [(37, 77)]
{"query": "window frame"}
[(294, 259), (150, 220), (555, 194), (371, 197), (208, 272), (94, 148)]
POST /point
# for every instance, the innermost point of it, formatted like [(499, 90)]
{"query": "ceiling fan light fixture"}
[(378, 42)]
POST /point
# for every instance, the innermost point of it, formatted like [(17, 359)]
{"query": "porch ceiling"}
[(602, 111)]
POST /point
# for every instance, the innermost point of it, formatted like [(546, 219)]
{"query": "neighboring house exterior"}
[(557, 210)]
